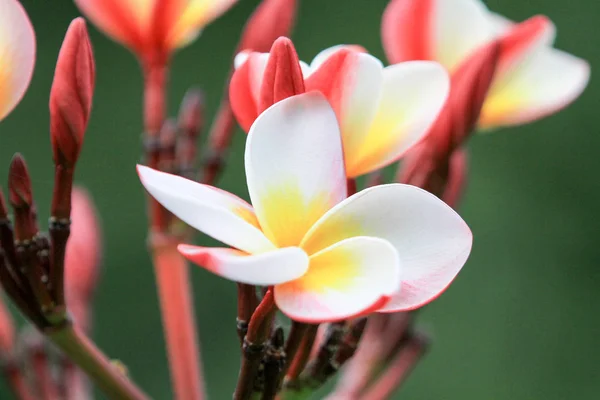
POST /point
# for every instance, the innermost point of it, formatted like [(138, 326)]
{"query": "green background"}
[(522, 320)]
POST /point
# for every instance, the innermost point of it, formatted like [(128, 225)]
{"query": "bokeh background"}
[(521, 322)]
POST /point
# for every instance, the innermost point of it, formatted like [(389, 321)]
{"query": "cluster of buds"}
[(50, 277), (33, 263)]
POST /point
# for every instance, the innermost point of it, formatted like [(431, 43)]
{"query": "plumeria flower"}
[(153, 28), (387, 248), (383, 112), (17, 54), (532, 80)]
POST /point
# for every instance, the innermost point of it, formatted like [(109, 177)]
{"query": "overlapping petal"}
[(294, 166), (547, 81), (382, 112), (446, 31), (533, 79), (153, 27), (196, 15), (527, 84), (349, 278), (413, 95), (352, 82), (265, 269), (17, 54), (217, 213), (126, 21), (432, 240)]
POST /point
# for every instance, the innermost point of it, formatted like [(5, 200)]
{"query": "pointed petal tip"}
[(264, 269)]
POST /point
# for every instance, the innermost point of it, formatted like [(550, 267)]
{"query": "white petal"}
[(294, 166), (353, 277), (459, 27), (432, 240), (17, 54), (266, 269), (413, 94), (212, 211), (353, 85), (544, 83)]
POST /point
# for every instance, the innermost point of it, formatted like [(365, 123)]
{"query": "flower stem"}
[(170, 268), (90, 359), (303, 354), (254, 346), (177, 310)]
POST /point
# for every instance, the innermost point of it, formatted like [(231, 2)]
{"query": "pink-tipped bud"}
[(283, 75), (7, 330), (270, 20), (83, 255), (71, 94), (19, 183)]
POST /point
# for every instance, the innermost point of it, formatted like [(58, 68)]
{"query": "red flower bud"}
[(19, 183), (283, 75), (71, 94), (21, 198), (270, 20), (83, 255)]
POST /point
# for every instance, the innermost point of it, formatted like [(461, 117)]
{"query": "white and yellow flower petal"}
[(446, 31), (459, 28), (413, 95), (545, 82), (352, 82), (17, 54), (432, 240), (196, 15), (350, 278), (294, 166), (265, 269), (212, 211), (126, 21)]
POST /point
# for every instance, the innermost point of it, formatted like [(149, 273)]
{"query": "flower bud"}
[(21, 198), (71, 94), (283, 75)]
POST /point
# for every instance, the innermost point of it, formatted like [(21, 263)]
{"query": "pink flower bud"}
[(71, 94), (283, 76), (21, 198), (270, 20), (19, 183)]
